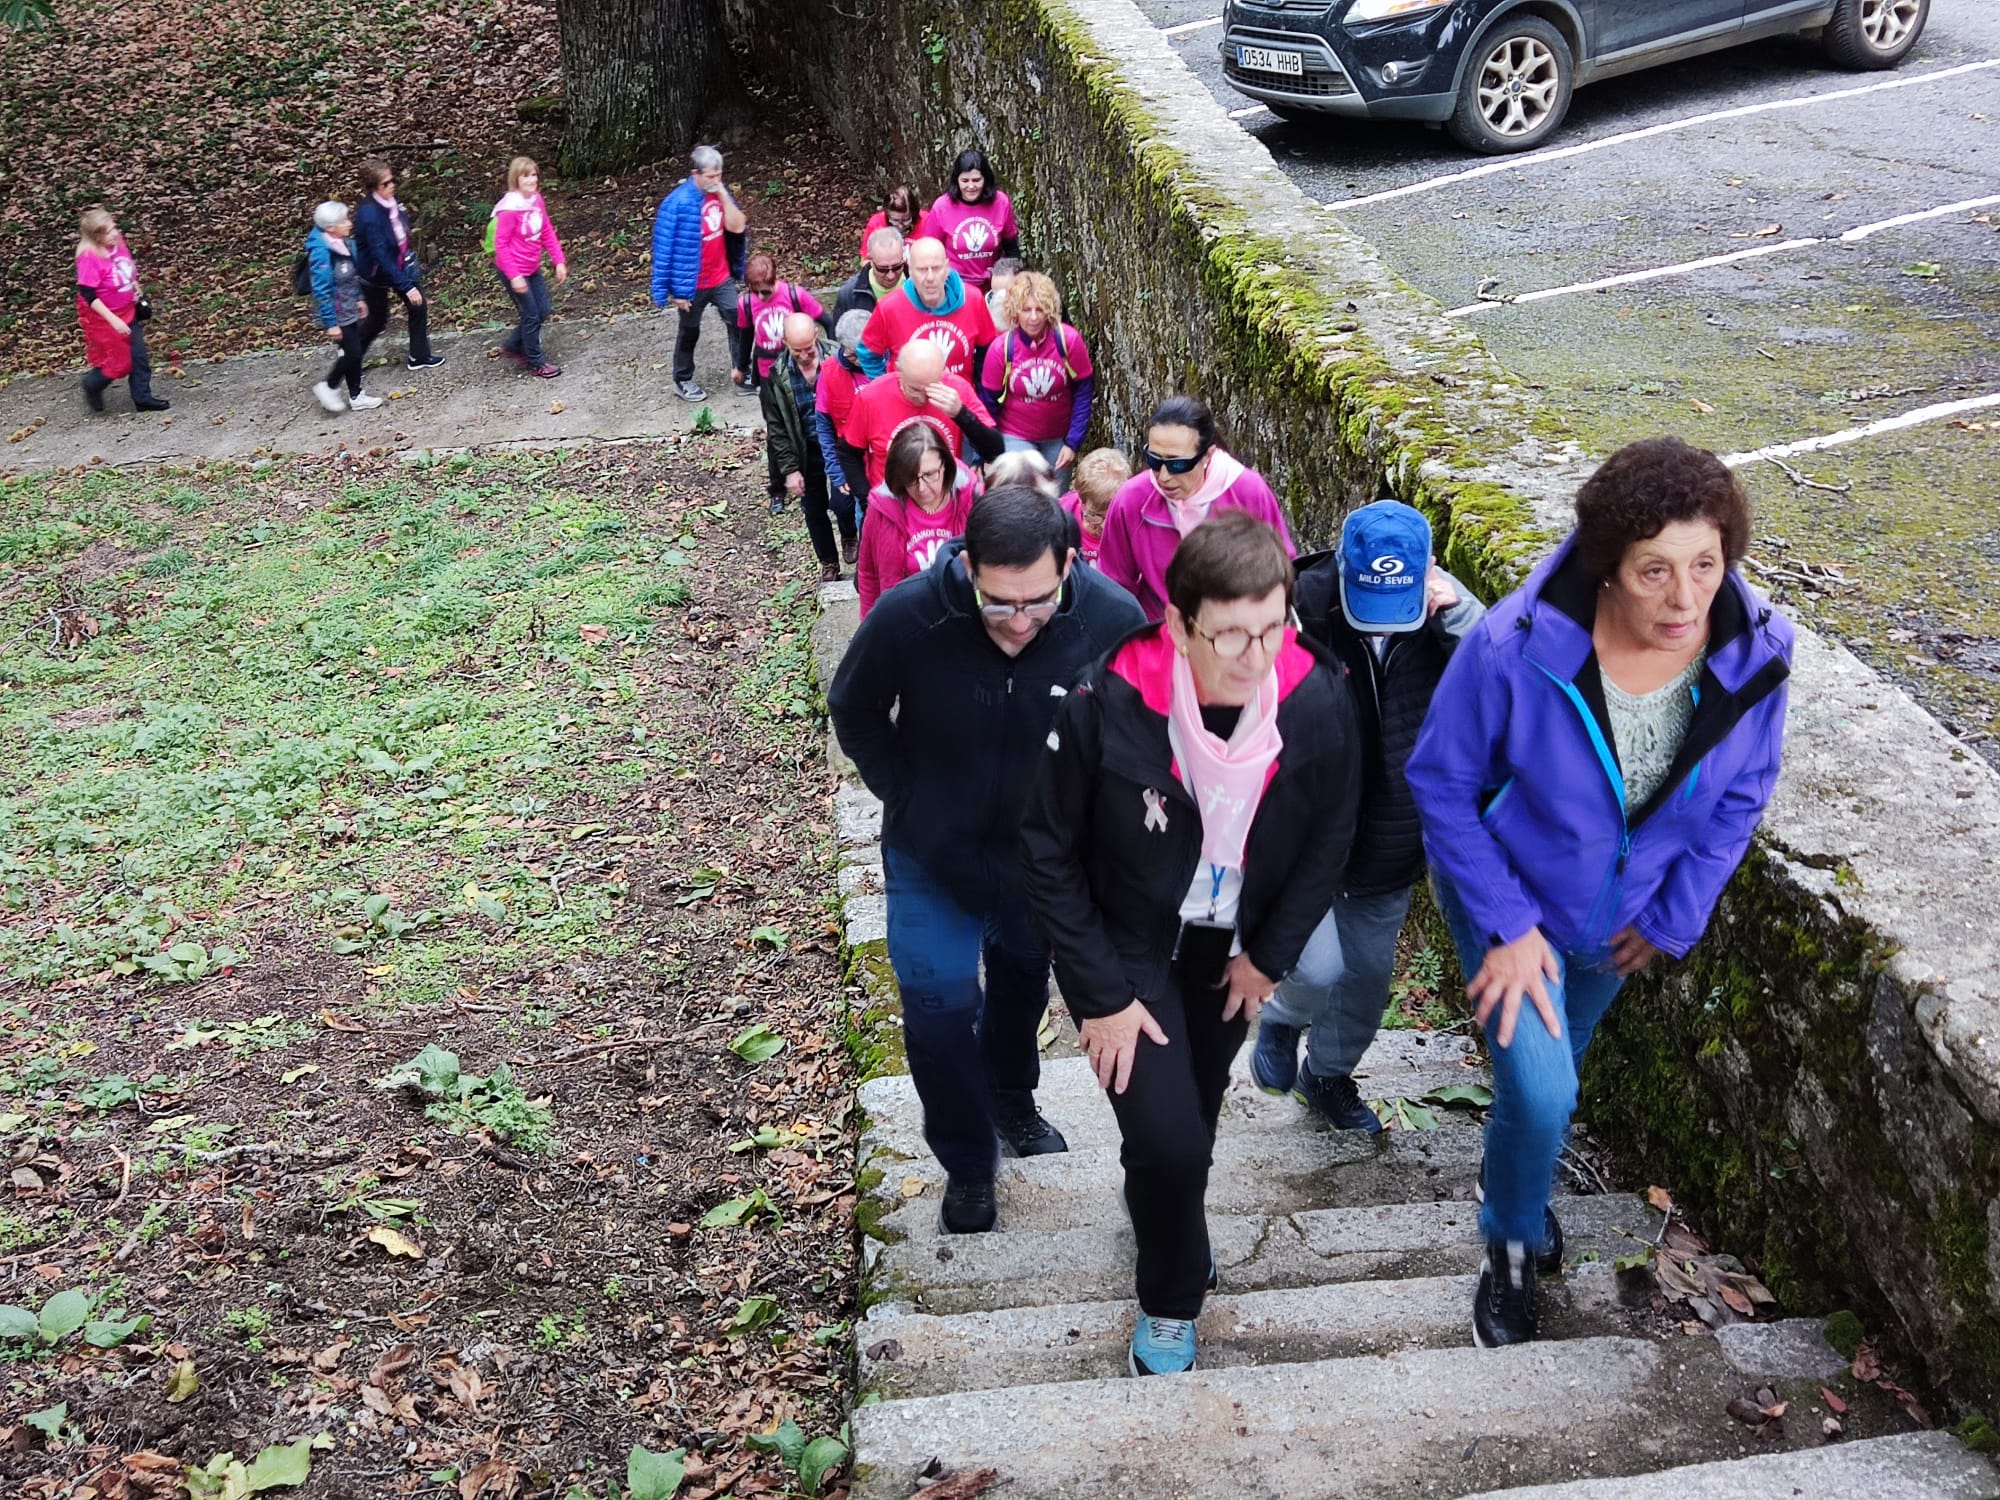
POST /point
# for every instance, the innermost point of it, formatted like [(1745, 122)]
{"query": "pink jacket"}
[(522, 230), (1140, 536), (899, 541)]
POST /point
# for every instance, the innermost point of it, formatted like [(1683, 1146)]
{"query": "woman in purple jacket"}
[(1595, 760), (1185, 475)]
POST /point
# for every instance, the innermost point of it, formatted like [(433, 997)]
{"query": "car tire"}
[(1867, 34), (1516, 87)]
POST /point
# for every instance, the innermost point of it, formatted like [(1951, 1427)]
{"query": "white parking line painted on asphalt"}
[(1244, 114), (1681, 268), (1631, 278), (1862, 231), (1536, 158), (1186, 26), (1915, 418)]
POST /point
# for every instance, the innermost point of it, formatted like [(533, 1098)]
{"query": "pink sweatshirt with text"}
[(522, 232)]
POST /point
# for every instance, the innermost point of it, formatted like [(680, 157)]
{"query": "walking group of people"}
[(1125, 735)]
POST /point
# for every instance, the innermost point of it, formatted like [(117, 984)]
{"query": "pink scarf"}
[(1226, 779), (1223, 471)]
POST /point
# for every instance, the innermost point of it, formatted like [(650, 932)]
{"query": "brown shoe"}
[(850, 549), (829, 573)]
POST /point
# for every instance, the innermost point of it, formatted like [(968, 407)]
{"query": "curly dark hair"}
[(1649, 485)]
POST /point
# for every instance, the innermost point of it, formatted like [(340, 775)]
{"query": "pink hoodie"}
[(522, 230), (1140, 534)]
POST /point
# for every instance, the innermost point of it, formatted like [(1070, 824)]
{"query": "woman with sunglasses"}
[(1186, 477), (921, 503), (1186, 833)]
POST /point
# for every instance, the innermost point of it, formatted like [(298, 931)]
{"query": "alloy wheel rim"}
[(1518, 84), (1887, 22)]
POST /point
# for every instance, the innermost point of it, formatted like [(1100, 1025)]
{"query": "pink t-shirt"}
[(1091, 540), (764, 315), (920, 230), (1036, 382), (114, 277), (714, 252), (972, 233)]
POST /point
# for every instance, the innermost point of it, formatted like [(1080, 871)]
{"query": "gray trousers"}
[(1341, 986)]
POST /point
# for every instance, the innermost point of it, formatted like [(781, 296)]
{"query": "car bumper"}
[(1390, 72)]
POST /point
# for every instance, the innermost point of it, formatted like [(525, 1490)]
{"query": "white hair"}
[(885, 241), (705, 159), (329, 213), (847, 332)]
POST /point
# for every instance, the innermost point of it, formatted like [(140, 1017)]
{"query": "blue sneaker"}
[(1162, 1346), (1338, 1100), (1274, 1061)]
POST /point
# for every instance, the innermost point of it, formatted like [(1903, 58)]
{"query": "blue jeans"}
[(1534, 1077), (971, 1054), (533, 306), (1340, 988)]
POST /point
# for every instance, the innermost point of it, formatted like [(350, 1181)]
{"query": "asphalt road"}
[(1798, 341)]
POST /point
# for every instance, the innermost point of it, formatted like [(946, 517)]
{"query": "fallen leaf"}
[(394, 1361), (395, 1241), (1702, 406), (1833, 1403), (1661, 1199), (495, 1476), (913, 1187), (968, 1484), (555, 408), (1830, 1427), (1746, 1411), (328, 1359), (182, 1382), (340, 1023), (1767, 231), (1866, 1365), (1738, 1303), (595, 634), (469, 1387)]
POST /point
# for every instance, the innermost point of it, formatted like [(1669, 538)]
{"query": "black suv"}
[(1498, 73)]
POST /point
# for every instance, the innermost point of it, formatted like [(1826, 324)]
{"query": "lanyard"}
[(1215, 875)]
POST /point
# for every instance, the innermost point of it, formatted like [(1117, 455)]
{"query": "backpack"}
[(302, 281), (1007, 358), (492, 226)]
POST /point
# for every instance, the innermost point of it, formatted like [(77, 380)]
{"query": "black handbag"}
[(142, 310)]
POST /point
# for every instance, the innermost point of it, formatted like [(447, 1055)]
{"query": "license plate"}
[(1269, 60)]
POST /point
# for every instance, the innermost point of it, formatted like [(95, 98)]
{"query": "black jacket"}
[(1107, 884), (856, 294), (954, 765), (1392, 693)]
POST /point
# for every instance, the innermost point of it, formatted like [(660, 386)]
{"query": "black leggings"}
[(1167, 1117), (355, 338)]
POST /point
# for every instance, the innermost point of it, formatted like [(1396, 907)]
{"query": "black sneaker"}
[(1549, 1257), (150, 403), (429, 362), (968, 1208), (1029, 1135), (1338, 1099), (1503, 1309)]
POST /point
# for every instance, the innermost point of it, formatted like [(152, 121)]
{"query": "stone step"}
[(1401, 1065), (1093, 1263), (1275, 1173), (905, 1353), (1420, 1422), (1911, 1466)]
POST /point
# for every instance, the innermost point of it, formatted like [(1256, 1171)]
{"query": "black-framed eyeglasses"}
[(999, 612), (1154, 460), (1233, 642)]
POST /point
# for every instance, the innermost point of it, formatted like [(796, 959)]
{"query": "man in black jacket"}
[(1393, 617), (882, 275), (943, 701)]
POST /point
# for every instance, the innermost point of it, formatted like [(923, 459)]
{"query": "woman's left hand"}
[(1066, 457), (1631, 952), (1248, 988), (562, 272)]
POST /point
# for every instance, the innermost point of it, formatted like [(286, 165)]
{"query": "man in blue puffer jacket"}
[(699, 247)]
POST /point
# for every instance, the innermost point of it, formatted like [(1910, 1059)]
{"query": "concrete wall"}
[(1821, 1081)]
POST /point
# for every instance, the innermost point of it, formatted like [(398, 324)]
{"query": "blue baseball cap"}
[(1385, 556)]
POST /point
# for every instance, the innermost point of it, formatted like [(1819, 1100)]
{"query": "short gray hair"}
[(887, 240), (849, 329), (329, 214), (706, 159)]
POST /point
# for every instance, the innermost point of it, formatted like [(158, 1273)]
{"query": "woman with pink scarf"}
[(1185, 478), (1188, 827)]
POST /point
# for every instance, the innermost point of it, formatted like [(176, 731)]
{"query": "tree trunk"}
[(639, 76)]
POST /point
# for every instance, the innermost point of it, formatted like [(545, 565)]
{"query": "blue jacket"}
[(336, 284), (1518, 783), (377, 256), (677, 245)]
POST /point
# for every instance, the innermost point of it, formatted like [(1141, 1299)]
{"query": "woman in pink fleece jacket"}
[(522, 233), (1186, 477), (922, 503)]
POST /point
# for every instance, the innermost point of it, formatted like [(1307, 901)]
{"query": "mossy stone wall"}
[(1820, 1082)]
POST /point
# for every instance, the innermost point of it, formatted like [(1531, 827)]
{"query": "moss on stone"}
[(1843, 1330), (1978, 1434)]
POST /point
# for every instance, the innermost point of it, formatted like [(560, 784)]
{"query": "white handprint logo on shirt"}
[(1037, 383), (945, 337), (771, 327), (974, 234), (531, 224)]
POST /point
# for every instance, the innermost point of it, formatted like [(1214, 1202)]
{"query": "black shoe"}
[(150, 403), (1503, 1309), (94, 394), (1549, 1257), (428, 362), (1338, 1099), (1028, 1134), (969, 1208), (777, 505)]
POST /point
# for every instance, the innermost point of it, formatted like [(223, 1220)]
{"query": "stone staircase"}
[(1336, 1357)]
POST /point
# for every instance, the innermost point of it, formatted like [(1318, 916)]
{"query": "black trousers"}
[(1167, 1117), (817, 504), (378, 300), (355, 338)]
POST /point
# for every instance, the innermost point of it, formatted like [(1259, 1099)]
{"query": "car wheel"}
[(1516, 88), (1874, 33)]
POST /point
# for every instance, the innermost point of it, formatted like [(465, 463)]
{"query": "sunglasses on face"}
[(1172, 465)]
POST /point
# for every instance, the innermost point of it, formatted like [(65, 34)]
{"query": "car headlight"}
[(1382, 10)]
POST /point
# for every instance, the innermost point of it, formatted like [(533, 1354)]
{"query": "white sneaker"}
[(329, 398), (363, 401)]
